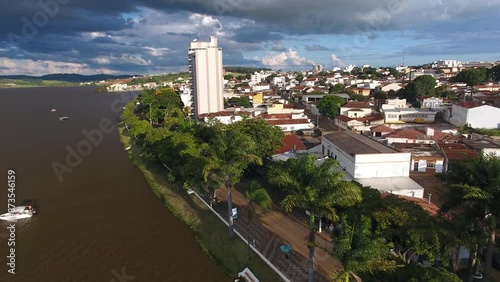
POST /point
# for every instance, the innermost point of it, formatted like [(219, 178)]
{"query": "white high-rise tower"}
[(205, 65)]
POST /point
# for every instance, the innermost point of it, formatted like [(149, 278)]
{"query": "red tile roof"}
[(357, 105), (372, 117), (288, 121), (417, 134), (469, 104), (430, 208), (381, 128), (457, 152), (225, 114), (276, 116), (289, 143), (343, 118)]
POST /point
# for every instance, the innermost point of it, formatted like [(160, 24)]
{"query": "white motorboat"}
[(53, 110), (63, 118), (18, 212)]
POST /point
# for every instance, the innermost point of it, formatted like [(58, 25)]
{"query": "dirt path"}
[(292, 231)]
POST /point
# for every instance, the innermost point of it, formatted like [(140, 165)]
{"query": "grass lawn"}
[(211, 233)]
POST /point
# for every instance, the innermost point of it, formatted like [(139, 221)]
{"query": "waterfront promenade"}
[(277, 228)]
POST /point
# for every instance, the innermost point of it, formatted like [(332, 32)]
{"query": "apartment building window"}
[(431, 165)]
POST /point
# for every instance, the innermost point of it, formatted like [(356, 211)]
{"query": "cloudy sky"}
[(152, 36)]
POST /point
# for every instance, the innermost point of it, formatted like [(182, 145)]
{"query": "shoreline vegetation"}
[(20, 83), (229, 254)]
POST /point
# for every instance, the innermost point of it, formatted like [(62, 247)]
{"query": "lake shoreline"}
[(210, 232)]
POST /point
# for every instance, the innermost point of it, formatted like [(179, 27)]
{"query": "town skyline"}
[(145, 37)]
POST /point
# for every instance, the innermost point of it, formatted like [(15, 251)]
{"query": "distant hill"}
[(67, 77)]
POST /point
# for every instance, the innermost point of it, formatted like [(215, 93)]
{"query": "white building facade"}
[(371, 163), (205, 65), (475, 114)]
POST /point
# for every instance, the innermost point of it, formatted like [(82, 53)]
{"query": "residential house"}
[(432, 102), (227, 116), (361, 91), (371, 163), (455, 153), (409, 115), (483, 145), (425, 158), (394, 104), (391, 86), (117, 87), (360, 124), (428, 135), (475, 114), (291, 144), (380, 131), (261, 87), (355, 109)]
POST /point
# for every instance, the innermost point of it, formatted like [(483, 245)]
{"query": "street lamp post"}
[(150, 117)]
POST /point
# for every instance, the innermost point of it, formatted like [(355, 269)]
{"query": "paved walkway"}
[(276, 228)]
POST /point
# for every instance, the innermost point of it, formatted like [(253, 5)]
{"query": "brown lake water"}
[(102, 222)]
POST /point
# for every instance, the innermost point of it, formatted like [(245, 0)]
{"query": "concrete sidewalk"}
[(276, 228)]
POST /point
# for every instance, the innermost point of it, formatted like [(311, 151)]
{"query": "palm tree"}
[(475, 189), (360, 250), (229, 154), (319, 189), (258, 198)]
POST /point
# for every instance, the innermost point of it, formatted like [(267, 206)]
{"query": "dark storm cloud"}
[(248, 34), (317, 47), (59, 29), (104, 40), (182, 34)]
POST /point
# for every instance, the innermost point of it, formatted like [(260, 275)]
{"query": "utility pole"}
[(150, 117)]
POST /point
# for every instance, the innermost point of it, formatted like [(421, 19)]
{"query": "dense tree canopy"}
[(337, 88), (494, 73), (422, 86), (329, 106), (268, 137), (242, 101), (472, 76)]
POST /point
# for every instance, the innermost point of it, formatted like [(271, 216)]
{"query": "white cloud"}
[(273, 60), (336, 61), (206, 25), (284, 59), (157, 52), (40, 67), (122, 59)]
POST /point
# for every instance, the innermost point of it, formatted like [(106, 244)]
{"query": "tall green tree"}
[(318, 189), (472, 76), (229, 154), (268, 138), (299, 77), (475, 189), (156, 102), (258, 199), (360, 250), (420, 87), (337, 88), (329, 106), (494, 73)]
